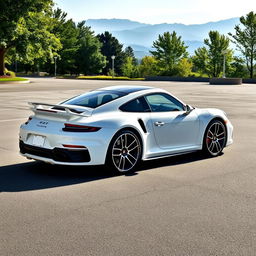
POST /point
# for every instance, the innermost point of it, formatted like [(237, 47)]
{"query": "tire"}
[(215, 138), (124, 152)]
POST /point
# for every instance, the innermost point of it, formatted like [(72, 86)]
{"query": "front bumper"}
[(230, 130)]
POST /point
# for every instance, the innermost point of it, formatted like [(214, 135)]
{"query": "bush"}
[(10, 73), (184, 67)]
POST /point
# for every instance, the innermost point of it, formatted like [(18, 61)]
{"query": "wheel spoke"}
[(210, 132), (133, 148), (122, 141), (127, 157), (216, 129), (131, 156), (123, 163), (220, 134), (211, 147), (218, 146), (121, 158), (131, 144)]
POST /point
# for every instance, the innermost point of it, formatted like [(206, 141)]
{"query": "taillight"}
[(73, 146), (29, 119), (80, 128)]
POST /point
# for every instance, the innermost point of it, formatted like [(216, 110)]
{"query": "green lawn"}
[(12, 79)]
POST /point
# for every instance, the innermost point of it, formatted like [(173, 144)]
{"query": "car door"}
[(174, 128)]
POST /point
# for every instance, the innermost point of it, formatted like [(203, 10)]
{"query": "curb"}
[(15, 82)]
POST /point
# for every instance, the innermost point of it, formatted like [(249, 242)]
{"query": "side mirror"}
[(188, 109)]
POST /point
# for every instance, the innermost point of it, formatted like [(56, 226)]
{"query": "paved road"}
[(184, 205)]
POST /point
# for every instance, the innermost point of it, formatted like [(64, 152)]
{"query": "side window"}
[(137, 105), (161, 102)]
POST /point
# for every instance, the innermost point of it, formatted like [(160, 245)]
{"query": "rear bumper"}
[(56, 155), (54, 152)]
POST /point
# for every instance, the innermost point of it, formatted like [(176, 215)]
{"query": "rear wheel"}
[(215, 138), (124, 152)]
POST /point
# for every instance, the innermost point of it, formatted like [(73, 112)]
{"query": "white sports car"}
[(119, 126)]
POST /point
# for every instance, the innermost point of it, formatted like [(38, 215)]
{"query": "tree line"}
[(35, 34)]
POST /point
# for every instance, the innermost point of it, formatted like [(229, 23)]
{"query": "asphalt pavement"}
[(185, 205)]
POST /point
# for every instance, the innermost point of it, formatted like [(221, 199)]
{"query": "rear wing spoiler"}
[(60, 110)]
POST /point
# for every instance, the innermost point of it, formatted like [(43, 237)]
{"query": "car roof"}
[(126, 89)]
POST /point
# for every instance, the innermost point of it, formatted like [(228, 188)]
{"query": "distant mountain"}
[(141, 36), (101, 25)]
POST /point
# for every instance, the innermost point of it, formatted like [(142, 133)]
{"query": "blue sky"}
[(157, 11)]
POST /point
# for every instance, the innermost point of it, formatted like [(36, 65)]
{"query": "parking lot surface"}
[(185, 205)]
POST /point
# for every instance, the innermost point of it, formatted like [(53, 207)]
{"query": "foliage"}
[(201, 61), (26, 27), (128, 68), (245, 39), (148, 66), (209, 59), (184, 67), (68, 33), (89, 59), (128, 51), (11, 74), (169, 50), (238, 68), (110, 46)]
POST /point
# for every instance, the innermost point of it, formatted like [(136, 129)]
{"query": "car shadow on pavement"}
[(173, 160), (37, 175)]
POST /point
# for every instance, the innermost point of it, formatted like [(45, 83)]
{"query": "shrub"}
[(10, 73), (184, 67)]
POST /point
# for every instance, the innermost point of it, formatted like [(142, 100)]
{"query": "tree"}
[(68, 33), (112, 47), (169, 50), (24, 25), (128, 51), (128, 68), (201, 61), (245, 39), (89, 59), (210, 59), (148, 66), (238, 68)]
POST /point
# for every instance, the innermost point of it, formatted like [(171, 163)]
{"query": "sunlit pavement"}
[(185, 205)]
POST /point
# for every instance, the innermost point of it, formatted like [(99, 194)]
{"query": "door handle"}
[(158, 124)]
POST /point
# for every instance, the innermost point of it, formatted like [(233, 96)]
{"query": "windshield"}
[(94, 99)]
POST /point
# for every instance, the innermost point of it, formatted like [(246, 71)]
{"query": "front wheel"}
[(124, 152), (215, 138)]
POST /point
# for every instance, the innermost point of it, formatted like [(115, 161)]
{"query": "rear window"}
[(137, 105), (94, 99)]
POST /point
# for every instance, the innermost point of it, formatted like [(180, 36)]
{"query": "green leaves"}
[(169, 50), (209, 59), (26, 26), (245, 39), (110, 46), (89, 59)]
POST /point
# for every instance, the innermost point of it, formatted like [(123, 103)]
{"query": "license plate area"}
[(38, 140)]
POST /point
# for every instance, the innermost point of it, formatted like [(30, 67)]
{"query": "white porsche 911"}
[(120, 125)]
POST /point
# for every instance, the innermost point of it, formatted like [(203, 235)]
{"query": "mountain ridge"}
[(142, 35)]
